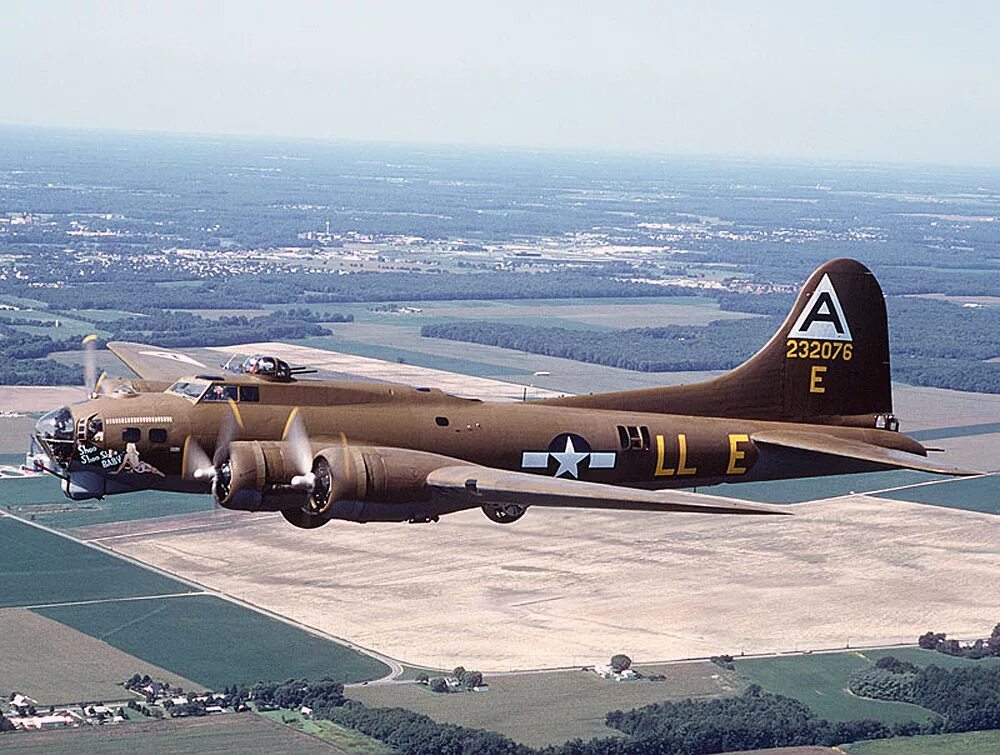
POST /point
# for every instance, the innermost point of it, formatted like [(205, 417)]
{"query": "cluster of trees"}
[(967, 698), (467, 679), (145, 710), (181, 329), (754, 720), (724, 661), (720, 345), (620, 662), (322, 696), (982, 648), (417, 734)]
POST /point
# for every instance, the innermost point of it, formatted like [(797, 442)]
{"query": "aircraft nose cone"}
[(56, 425)]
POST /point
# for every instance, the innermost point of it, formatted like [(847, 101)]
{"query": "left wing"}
[(478, 485), (157, 363)]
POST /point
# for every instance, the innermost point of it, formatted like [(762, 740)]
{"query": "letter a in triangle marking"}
[(823, 318)]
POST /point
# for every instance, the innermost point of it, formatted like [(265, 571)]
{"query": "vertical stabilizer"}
[(828, 363)]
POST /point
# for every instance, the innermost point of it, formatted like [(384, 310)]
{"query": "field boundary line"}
[(97, 601)]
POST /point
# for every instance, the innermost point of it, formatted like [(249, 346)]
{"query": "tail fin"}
[(828, 363)]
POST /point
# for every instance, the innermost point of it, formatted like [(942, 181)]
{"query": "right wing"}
[(157, 363), (478, 485)]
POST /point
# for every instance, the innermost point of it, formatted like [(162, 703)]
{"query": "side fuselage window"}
[(221, 392), (249, 393)]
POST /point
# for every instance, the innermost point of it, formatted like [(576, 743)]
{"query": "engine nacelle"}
[(362, 474), (255, 476)]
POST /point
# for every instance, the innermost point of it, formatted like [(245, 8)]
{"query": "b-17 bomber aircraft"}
[(815, 400)]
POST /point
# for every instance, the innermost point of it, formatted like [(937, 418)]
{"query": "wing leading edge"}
[(481, 485), (157, 363)]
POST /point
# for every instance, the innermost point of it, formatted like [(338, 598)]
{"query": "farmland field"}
[(820, 681), (55, 664), (40, 567), (968, 743), (43, 501), (971, 494), (348, 740), (243, 733), (215, 642), (549, 708)]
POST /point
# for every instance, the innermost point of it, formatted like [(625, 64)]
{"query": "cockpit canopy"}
[(262, 365), (267, 367)]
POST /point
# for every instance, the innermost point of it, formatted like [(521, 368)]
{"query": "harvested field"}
[(35, 398), (550, 708), (568, 588), (924, 408), (243, 733), (57, 665)]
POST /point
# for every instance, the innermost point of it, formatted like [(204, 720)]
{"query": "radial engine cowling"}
[(256, 476)]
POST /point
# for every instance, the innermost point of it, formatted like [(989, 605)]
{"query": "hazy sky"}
[(887, 81)]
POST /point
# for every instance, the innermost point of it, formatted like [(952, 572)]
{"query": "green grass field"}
[(43, 501), (968, 743), (820, 681), (348, 740), (971, 494), (38, 567), (215, 642)]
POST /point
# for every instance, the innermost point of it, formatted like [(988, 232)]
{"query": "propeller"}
[(198, 465), (297, 438), (91, 380)]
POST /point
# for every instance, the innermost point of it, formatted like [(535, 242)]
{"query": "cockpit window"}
[(192, 389), (220, 392)]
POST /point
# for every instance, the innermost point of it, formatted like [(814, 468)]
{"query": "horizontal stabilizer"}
[(833, 445), (486, 485)]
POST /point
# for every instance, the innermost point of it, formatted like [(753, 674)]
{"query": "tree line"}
[(24, 355), (720, 345), (932, 343), (966, 699)]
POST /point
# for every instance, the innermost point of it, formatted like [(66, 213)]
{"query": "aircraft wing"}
[(853, 449), (157, 363), (481, 485)]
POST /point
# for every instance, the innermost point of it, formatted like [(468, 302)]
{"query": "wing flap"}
[(481, 485), (853, 449), (157, 363)]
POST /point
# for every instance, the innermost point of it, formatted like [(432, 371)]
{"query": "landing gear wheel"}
[(504, 513), (304, 519)]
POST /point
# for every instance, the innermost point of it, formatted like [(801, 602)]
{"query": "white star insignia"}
[(569, 459)]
